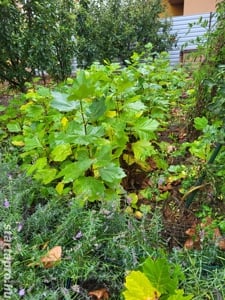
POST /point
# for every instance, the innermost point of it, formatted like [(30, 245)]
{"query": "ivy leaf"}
[(111, 172), (61, 103), (89, 188), (61, 152), (139, 287)]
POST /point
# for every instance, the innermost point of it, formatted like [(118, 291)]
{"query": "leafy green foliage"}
[(96, 244), (161, 275), (77, 139), (114, 29), (36, 37), (157, 280), (207, 113)]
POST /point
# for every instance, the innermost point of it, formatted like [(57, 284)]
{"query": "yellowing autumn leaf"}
[(25, 106), (64, 121), (129, 159), (18, 143), (59, 188), (52, 257), (139, 287), (111, 113)]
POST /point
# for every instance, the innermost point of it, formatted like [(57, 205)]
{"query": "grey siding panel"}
[(185, 35)]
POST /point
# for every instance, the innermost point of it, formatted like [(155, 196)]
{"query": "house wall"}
[(186, 37), (172, 10), (188, 7), (192, 7)]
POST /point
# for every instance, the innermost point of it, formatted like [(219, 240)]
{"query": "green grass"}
[(100, 244)]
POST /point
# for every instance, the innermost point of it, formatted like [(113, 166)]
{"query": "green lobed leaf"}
[(83, 87), (45, 175), (200, 123), (89, 188), (35, 111), (74, 170), (13, 127), (38, 165), (61, 152), (111, 173), (143, 149), (161, 275), (137, 106), (96, 109), (61, 103), (32, 143), (144, 127)]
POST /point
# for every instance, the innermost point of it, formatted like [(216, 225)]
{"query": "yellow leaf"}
[(139, 287), (138, 215), (59, 188), (25, 106), (18, 143), (129, 159), (53, 256), (111, 113), (64, 122), (129, 210), (138, 114)]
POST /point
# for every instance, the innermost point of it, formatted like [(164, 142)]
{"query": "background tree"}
[(209, 77), (36, 36), (49, 36), (113, 29), (13, 57)]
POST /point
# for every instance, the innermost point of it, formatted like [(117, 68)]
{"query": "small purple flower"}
[(21, 292), (161, 180), (10, 176), (78, 235), (6, 203), (19, 227), (129, 200)]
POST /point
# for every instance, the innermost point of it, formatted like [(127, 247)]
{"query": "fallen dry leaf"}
[(221, 243), (101, 294), (52, 256), (191, 231), (217, 234), (189, 244), (2, 244)]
